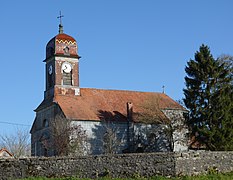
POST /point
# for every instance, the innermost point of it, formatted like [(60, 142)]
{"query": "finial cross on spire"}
[(60, 17), (60, 25)]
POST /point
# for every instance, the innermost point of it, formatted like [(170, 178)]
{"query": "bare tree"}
[(227, 60), (151, 112), (111, 141), (78, 141), (65, 137), (18, 144), (166, 125)]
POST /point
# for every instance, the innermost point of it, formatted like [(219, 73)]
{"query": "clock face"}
[(66, 67), (50, 69)]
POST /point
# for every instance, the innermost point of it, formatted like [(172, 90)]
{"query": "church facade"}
[(97, 110)]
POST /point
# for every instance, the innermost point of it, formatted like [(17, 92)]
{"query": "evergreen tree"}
[(209, 97)]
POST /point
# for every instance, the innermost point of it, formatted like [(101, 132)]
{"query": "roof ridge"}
[(123, 90)]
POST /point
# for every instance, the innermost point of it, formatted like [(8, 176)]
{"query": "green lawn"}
[(227, 176)]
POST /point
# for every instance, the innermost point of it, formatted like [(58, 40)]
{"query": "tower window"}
[(66, 50), (67, 78)]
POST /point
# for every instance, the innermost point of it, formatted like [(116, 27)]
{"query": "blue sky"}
[(136, 45)]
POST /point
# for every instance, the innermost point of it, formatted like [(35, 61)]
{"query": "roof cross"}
[(59, 17), (60, 25), (163, 89)]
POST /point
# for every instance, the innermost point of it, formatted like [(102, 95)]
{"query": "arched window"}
[(45, 123)]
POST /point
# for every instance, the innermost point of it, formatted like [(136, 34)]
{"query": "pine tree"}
[(209, 97)]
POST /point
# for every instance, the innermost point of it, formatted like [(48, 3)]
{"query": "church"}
[(93, 109)]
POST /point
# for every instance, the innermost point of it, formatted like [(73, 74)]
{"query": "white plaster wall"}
[(95, 131), (152, 137), (88, 126), (180, 129)]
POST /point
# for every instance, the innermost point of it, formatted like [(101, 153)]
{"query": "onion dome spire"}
[(60, 25)]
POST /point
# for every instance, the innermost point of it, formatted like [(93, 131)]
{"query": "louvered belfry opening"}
[(67, 78)]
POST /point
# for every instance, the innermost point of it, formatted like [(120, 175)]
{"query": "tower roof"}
[(65, 37), (62, 44)]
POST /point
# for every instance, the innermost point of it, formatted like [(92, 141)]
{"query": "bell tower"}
[(62, 65)]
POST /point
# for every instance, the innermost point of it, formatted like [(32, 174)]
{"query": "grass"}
[(226, 176)]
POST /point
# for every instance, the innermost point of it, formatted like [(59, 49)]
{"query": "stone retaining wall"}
[(200, 162), (124, 165)]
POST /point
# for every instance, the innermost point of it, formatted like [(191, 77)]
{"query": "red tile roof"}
[(64, 36), (97, 104)]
